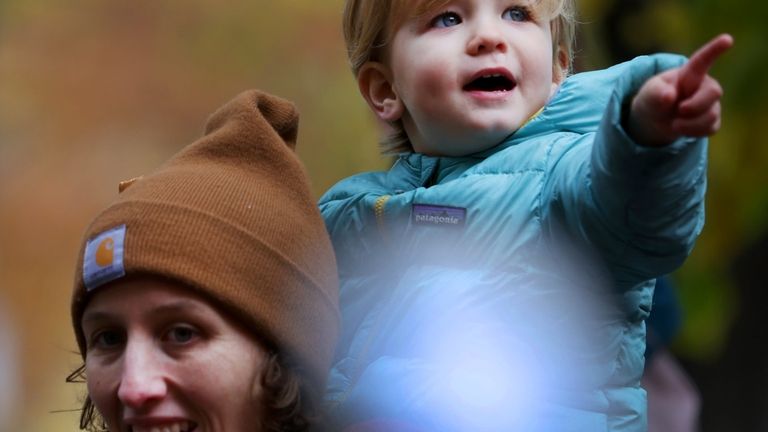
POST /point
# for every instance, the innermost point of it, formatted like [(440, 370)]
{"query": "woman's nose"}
[(143, 379), (486, 38)]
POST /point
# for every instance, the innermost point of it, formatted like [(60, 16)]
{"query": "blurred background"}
[(93, 92)]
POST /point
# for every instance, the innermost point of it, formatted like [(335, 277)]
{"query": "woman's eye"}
[(108, 339), (181, 334), (516, 14), (447, 19)]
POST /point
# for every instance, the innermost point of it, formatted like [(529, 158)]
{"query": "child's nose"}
[(142, 380), (486, 38)]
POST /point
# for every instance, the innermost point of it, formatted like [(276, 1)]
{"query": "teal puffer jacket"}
[(507, 290)]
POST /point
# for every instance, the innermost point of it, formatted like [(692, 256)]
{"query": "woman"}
[(205, 296)]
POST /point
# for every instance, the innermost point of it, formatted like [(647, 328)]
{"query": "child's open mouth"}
[(491, 82)]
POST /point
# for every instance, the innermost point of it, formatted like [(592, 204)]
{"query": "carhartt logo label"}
[(425, 214), (105, 252), (103, 260)]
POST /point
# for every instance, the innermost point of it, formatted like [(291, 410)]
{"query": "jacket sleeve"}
[(639, 208)]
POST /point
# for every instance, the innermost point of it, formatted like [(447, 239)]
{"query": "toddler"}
[(498, 276)]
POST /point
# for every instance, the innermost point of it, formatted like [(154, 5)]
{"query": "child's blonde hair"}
[(370, 24)]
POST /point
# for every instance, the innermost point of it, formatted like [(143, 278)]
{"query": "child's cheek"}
[(433, 83)]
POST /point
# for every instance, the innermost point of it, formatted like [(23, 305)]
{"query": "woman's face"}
[(161, 358)]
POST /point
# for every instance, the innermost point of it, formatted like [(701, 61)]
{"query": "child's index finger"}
[(692, 73)]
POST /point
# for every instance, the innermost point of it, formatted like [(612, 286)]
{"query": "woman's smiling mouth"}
[(178, 426)]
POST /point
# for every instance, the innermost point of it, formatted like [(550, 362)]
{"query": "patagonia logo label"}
[(103, 260), (425, 214)]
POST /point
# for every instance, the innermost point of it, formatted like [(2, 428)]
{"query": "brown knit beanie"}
[(231, 216)]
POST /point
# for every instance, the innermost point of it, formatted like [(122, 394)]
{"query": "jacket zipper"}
[(378, 209)]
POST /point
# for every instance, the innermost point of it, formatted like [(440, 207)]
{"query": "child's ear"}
[(375, 83), (560, 69)]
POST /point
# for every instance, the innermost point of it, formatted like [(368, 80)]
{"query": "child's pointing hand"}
[(680, 102)]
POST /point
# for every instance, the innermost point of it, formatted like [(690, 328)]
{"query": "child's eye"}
[(517, 13), (181, 334), (108, 339), (446, 19)]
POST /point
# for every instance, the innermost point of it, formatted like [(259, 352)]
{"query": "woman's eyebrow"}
[(96, 316), (176, 306), (165, 308)]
